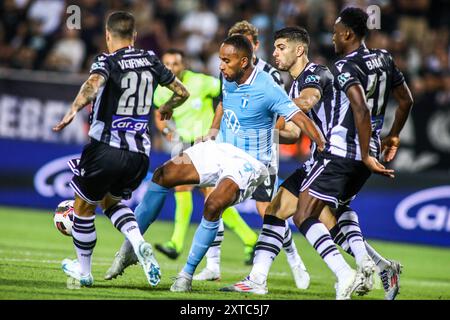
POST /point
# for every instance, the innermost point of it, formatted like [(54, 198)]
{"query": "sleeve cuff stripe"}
[(291, 115)]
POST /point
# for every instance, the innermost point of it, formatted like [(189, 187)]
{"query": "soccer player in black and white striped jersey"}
[(115, 161), (313, 92), (363, 80)]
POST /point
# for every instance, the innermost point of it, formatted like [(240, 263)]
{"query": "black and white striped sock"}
[(319, 237), (123, 219), (270, 242), (349, 225), (213, 253), (289, 247), (84, 240), (340, 239)]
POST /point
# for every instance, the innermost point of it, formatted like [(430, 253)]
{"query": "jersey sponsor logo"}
[(231, 120), (312, 78), (343, 78), (427, 209), (138, 124), (97, 65)]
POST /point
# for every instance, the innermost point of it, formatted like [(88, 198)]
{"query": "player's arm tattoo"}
[(307, 99), (87, 94), (180, 95), (88, 91)]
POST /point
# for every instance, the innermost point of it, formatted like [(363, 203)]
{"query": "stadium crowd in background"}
[(416, 32)]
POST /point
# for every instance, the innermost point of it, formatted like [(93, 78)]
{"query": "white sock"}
[(213, 253), (122, 217), (349, 225), (269, 244), (381, 262), (84, 240), (319, 237)]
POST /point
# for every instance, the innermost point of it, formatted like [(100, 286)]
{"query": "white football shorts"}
[(215, 161)]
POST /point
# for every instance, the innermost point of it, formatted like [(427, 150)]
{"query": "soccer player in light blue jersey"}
[(234, 164)]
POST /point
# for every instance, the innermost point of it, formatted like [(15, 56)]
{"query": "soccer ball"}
[(63, 217)]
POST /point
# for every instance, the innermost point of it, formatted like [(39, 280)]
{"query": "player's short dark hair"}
[(121, 24), (241, 43), (355, 19), (297, 34), (175, 51)]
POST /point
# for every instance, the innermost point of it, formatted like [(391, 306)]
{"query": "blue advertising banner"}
[(407, 209)]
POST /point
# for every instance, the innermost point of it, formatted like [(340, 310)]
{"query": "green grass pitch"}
[(31, 251)]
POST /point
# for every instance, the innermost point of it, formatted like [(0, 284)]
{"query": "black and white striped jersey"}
[(319, 77), (266, 67), (121, 111), (376, 72)]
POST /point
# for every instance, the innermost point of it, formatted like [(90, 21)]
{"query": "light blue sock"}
[(150, 207), (204, 236)]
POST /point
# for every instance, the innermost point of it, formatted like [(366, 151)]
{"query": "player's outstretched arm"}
[(361, 115), (390, 144), (86, 95), (307, 99), (290, 133), (180, 95), (308, 127)]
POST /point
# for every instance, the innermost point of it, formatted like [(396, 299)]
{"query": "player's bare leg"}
[(232, 219), (225, 195)]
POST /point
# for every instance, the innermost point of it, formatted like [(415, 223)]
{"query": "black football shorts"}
[(335, 180), (294, 181), (266, 190), (103, 169)]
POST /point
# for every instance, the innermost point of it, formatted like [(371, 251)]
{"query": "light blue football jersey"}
[(250, 113)]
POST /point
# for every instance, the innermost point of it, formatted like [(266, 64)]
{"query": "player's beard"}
[(238, 76), (286, 66)]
